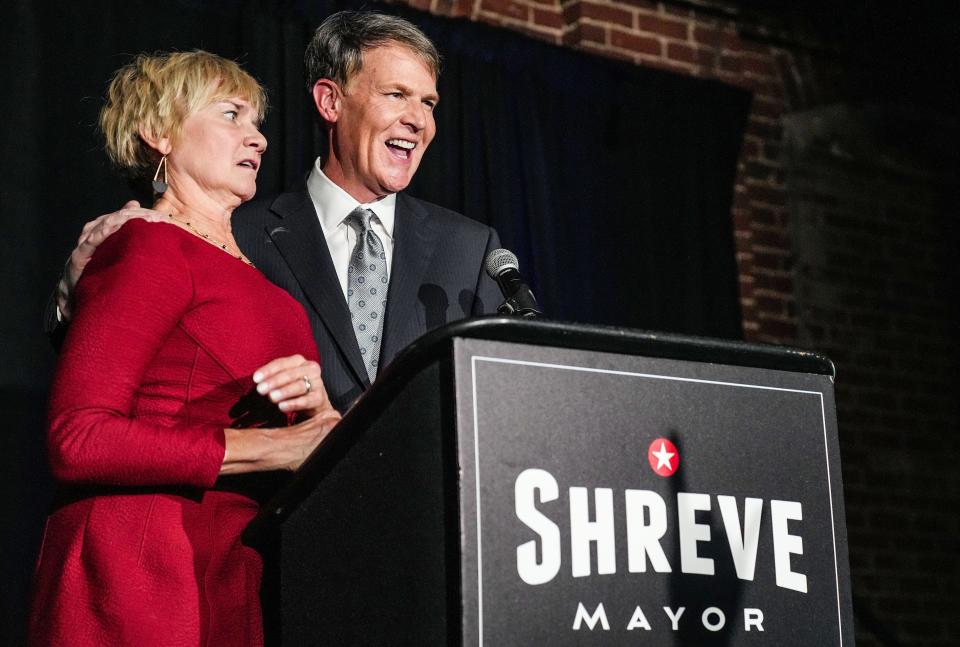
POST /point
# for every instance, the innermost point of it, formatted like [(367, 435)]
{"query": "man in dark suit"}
[(372, 79)]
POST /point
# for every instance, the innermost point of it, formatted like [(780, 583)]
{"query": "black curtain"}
[(612, 183)]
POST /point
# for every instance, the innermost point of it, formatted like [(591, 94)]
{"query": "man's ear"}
[(327, 100), (160, 144)]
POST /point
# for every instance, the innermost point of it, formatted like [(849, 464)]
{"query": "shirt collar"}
[(333, 203)]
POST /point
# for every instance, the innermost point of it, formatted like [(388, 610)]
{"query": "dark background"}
[(612, 183), (844, 210)]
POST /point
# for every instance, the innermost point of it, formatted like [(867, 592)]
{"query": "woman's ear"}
[(326, 98), (160, 144)]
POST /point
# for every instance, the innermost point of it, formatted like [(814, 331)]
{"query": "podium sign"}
[(515, 483), (617, 499)]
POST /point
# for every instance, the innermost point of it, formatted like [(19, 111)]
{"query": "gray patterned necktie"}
[(367, 288)]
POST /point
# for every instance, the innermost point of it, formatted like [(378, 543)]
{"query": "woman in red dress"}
[(184, 372)]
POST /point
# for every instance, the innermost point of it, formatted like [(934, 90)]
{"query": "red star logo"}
[(664, 457)]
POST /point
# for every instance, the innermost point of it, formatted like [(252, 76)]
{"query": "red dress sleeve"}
[(132, 294)]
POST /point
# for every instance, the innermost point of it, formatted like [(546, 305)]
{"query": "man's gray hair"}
[(336, 50)]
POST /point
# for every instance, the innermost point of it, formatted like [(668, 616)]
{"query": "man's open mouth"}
[(401, 148)]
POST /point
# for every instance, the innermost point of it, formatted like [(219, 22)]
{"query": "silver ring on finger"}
[(306, 384)]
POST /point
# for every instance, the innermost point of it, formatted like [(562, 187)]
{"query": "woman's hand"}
[(293, 384), (276, 448)]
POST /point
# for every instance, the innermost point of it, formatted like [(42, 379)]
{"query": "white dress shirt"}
[(333, 205)]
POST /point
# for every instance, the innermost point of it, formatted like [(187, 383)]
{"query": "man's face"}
[(384, 123)]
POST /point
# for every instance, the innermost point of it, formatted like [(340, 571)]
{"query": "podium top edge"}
[(626, 341), (438, 343)]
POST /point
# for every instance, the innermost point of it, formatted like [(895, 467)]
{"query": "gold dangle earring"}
[(159, 186)]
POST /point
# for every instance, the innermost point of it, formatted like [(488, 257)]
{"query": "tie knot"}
[(359, 219)]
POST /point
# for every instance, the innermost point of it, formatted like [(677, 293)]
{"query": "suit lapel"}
[(414, 239), (302, 245)]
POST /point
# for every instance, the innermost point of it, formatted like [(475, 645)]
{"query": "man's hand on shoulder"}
[(94, 233)]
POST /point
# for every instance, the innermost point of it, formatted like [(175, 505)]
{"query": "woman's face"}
[(218, 153)]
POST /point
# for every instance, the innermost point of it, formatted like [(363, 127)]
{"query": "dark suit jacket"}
[(437, 277)]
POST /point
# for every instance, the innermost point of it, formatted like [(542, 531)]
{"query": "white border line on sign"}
[(584, 369)]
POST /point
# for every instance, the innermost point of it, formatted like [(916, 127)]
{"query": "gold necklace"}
[(212, 241)]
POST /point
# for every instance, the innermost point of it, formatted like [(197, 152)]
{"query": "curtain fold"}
[(612, 183)]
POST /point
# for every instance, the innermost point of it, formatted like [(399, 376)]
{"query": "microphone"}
[(501, 266)]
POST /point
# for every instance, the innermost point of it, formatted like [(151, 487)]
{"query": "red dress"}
[(142, 546)]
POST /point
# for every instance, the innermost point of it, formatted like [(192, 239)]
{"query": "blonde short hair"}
[(157, 92)]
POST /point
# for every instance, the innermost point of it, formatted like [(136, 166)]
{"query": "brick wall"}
[(874, 253), (848, 259)]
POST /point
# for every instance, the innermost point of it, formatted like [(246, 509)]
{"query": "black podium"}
[(512, 482)]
